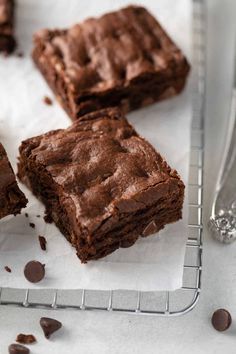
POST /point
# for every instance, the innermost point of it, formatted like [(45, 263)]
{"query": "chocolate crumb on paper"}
[(49, 326), (8, 269), (47, 100), (42, 242), (25, 338), (18, 349)]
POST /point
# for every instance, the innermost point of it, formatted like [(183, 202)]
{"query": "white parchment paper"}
[(155, 263)]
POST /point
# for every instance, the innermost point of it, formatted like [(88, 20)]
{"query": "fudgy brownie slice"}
[(101, 183), (12, 200), (123, 58), (7, 41)]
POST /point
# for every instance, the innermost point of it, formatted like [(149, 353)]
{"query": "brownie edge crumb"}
[(48, 219)]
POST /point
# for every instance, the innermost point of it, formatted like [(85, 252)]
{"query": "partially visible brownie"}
[(12, 200), (101, 183), (7, 40), (123, 58)]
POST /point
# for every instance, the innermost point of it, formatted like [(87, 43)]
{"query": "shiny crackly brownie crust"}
[(7, 41), (12, 200), (123, 58), (102, 184)]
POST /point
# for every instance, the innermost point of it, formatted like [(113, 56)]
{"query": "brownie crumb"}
[(26, 215), (42, 242), (20, 55), (47, 100), (25, 338), (48, 218), (8, 269), (31, 224)]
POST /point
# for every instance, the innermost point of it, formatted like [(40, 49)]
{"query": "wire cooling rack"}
[(161, 303)]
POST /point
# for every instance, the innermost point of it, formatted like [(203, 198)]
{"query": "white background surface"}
[(104, 333), (23, 114)]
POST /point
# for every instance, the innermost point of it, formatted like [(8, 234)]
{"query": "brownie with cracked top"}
[(12, 200), (123, 58), (7, 41), (102, 184)]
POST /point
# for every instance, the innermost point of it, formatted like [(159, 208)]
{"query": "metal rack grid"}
[(166, 303)]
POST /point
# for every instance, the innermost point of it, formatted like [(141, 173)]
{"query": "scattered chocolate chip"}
[(42, 242), (31, 224), (25, 338), (8, 269), (47, 100), (38, 216), (18, 349), (26, 215), (49, 326), (34, 271), (221, 320)]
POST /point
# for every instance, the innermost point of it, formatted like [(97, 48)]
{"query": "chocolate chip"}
[(47, 100), (7, 269), (42, 242), (25, 338), (34, 271), (18, 349), (151, 228), (31, 224), (38, 216), (221, 320), (26, 215), (49, 326)]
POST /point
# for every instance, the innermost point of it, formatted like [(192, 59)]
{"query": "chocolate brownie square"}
[(7, 41), (102, 184), (123, 58), (12, 200)]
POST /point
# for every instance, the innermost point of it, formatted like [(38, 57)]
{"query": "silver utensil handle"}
[(223, 215)]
